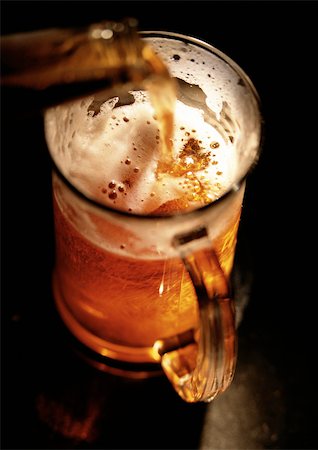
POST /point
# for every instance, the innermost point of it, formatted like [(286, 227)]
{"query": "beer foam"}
[(113, 156), (198, 66), (109, 150)]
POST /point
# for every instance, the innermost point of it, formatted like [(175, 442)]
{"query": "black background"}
[(44, 384)]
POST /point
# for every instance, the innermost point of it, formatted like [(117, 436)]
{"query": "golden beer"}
[(115, 303)]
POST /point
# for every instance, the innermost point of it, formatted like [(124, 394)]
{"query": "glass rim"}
[(204, 209)]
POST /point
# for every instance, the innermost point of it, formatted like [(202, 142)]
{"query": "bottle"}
[(48, 67)]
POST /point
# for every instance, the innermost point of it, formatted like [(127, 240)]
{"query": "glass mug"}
[(143, 261)]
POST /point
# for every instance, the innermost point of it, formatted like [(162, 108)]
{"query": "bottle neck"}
[(48, 67)]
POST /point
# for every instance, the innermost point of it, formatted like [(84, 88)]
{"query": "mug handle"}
[(201, 363)]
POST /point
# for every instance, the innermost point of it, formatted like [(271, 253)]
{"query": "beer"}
[(119, 290), (109, 298)]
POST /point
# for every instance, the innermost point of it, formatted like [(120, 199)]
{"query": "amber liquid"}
[(119, 305)]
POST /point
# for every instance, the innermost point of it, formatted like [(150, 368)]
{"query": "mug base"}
[(129, 362)]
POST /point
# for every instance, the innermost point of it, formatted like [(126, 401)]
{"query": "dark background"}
[(49, 397)]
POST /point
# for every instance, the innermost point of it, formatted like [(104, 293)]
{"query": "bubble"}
[(112, 195)]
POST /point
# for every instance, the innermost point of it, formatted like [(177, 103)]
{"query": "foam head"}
[(108, 147)]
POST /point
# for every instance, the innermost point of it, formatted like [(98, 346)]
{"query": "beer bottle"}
[(48, 67)]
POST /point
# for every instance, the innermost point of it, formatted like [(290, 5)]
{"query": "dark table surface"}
[(50, 396)]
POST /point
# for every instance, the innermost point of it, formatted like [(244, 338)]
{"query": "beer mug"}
[(143, 256)]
